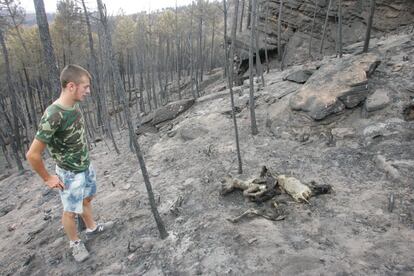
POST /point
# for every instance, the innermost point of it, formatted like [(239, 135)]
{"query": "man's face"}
[(82, 89)]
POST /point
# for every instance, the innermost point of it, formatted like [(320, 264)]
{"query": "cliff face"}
[(298, 24)]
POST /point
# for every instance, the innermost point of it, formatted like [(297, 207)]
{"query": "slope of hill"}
[(363, 228)]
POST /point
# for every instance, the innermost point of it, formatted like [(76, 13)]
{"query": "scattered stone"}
[(4, 176), (171, 111), (378, 100), (4, 210), (132, 257), (171, 133), (408, 113), (300, 76), (342, 133), (28, 238), (12, 227), (252, 240), (146, 129), (390, 171), (28, 259)]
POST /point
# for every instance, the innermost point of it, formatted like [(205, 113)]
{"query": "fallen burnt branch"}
[(255, 212)]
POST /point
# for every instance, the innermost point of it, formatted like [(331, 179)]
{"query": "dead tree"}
[(15, 141), (48, 53), (230, 82), (177, 42), (313, 26), (251, 83), (259, 68), (212, 44), (266, 45), (249, 12), (241, 16), (122, 95), (279, 32), (226, 53), (103, 118), (200, 39), (340, 28), (369, 26), (324, 26)]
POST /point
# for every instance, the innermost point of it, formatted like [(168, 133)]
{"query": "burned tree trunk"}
[(226, 53), (279, 32), (312, 28), (340, 28), (251, 83), (230, 82), (369, 26), (15, 143), (103, 118), (122, 95), (324, 26), (48, 53)]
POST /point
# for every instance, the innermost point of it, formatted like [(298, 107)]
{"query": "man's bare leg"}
[(87, 215), (68, 221)]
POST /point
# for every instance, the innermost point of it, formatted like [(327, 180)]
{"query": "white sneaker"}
[(100, 227)]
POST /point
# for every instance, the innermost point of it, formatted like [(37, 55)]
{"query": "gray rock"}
[(4, 210), (335, 86), (192, 132), (171, 111), (341, 133), (163, 114), (378, 100), (390, 170), (300, 76)]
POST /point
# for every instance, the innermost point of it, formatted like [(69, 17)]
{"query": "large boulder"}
[(378, 100), (340, 84), (163, 114), (171, 111), (300, 76)]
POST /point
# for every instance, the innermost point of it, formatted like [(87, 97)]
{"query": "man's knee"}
[(68, 215), (87, 200)]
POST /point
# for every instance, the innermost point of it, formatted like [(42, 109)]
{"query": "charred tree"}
[(369, 26), (340, 28), (230, 83), (16, 140), (324, 26), (103, 118), (279, 32), (48, 52), (251, 82), (122, 95)]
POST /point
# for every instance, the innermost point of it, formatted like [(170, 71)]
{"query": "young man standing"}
[(62, 130)]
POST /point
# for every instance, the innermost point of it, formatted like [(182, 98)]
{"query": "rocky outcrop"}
[(300, 76), (340, 84), (298, 25), (162, 114)]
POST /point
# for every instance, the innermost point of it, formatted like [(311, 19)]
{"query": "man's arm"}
[(34, 156)]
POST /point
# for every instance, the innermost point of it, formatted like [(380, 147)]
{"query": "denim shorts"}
[(78, 186)]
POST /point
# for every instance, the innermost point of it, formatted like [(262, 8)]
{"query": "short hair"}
[(73, 73)]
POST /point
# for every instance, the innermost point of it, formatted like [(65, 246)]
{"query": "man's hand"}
[(54, 181)]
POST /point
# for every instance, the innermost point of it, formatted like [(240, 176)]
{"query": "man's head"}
[(75, 81)]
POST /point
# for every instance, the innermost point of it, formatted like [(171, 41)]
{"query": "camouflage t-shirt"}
[(63, 130)]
